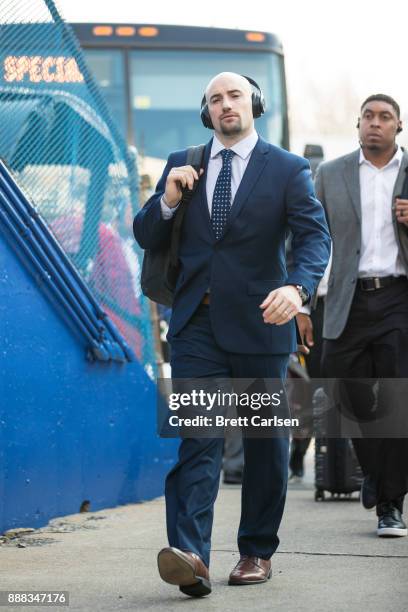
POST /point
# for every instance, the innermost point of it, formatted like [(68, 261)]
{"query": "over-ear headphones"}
[(399, 128), (258, 104)]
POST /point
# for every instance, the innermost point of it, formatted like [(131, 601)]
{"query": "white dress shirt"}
[(242, 150), (379, 247), (321, 288)]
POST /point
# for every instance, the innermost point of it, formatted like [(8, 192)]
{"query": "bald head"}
[(232, 78), (229, 101)]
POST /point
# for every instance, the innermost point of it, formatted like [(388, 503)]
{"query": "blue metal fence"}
[(59, 140), (77, 400)]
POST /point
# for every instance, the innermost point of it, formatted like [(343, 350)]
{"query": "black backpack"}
[(160, 267)]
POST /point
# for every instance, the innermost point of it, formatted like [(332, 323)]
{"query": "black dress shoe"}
[(368, 493), (297, 455), (390, 523), (232, 478), (295, 478)]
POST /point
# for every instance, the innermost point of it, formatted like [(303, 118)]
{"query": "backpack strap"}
[(195, 158)]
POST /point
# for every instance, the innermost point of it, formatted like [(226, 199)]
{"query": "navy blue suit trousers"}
[(192, 485)]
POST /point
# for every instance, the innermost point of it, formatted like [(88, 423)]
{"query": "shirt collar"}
[(243, 148), (395, 160)]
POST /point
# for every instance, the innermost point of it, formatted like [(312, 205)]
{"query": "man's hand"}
[(401, 210), (305, 326), (281, 305), (177, 179)]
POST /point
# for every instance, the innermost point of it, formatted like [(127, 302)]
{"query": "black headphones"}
[(399, 128), (258, 104)]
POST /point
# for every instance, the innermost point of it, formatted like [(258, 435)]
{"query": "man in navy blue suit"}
[(233, 315)]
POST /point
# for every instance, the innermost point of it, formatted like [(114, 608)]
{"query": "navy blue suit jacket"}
[(248, 261)]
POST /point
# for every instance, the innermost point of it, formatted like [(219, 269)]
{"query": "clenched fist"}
[(177, 179), (401, 210)]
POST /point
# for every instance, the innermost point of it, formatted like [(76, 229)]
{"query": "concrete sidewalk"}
[(329, 560)]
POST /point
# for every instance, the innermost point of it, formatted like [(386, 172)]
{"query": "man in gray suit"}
[(366, 310)]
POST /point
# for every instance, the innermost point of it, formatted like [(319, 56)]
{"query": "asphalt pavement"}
[(329, 559)]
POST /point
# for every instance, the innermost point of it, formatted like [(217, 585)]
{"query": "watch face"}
[(303, 294)]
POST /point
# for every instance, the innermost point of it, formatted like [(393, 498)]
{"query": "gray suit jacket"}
[(337, 186)]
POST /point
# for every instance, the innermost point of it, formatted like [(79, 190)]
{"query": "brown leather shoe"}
[(185, 569), (250, 570)]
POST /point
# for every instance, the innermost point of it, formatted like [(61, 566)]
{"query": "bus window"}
[(109, 71), (166, 88)]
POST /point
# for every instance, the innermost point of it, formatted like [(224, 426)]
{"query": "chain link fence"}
[(59, 140)]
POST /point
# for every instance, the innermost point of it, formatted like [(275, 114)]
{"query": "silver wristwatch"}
[(304, 295)]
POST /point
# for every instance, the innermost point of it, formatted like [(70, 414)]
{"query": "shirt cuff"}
[(167, 212), (306, 309)]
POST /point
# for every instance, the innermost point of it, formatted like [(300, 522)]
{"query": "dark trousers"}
[(374, 344), (314, 359), (233, 454), (192, 484), (299, 446)]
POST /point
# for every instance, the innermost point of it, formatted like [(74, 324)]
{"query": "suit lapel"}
[(205, 213), (401, 177), (401, 233), (352, 180), (252, 172)]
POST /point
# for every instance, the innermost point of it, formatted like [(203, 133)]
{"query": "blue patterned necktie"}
[(221, 202)]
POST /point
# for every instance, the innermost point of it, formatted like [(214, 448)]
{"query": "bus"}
[(153, 78)]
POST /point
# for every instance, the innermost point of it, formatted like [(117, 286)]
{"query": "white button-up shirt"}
[(242, 150), (379, 248)]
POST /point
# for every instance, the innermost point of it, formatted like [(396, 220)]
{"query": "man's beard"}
[(373, 147), (227, 130)]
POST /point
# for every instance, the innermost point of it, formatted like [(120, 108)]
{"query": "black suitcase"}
[(337, 469)]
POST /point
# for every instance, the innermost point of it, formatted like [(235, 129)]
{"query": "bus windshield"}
[(165, 90)]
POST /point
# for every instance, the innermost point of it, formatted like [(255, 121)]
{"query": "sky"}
[(336, 53)]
